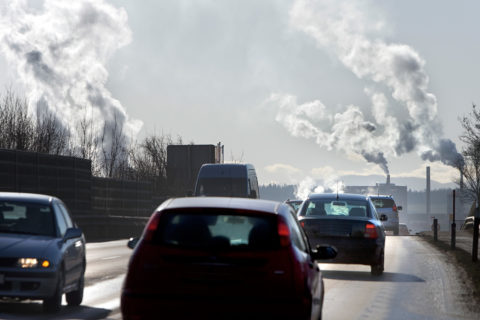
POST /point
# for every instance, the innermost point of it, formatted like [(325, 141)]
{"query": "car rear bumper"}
[(142, 306), (27, 284), (352, 250)]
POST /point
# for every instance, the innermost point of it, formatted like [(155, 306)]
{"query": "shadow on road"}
[(366, 276), (34, 310)]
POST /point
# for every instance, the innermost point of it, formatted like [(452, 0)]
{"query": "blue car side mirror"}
[(72, 233)]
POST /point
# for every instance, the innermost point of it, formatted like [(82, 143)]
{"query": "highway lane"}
[(106, 266), (418, 283), (106, 260)]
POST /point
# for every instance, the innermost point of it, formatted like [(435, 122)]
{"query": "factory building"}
[(399, 193)]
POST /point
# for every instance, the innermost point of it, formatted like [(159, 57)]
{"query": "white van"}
[(227, 180)]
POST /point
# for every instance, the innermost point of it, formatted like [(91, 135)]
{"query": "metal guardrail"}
[(102, 228)]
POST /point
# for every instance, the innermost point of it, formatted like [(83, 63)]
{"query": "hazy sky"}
[(301, 89)]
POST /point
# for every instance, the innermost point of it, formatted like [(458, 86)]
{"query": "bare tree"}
[(21, 131), (51, 136), (88, 141), (149, 158), (470, 170), (17, 126), (106, 148), (114, 155)]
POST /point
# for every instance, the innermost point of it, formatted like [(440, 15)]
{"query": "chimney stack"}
[(428, 191), (461, 179), (388, 179)]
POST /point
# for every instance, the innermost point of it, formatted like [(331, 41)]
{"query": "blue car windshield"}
[(26, 218)]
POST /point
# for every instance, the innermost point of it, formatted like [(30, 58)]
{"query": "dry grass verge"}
[(464, 260)]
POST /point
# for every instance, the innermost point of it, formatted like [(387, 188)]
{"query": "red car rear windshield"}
[(217, 230)]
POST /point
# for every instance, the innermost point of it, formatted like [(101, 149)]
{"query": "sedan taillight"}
[(283, 232), (371, 231), (151, 227)]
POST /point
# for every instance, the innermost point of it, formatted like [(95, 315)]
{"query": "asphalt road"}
[(418, 283), (106, 267)]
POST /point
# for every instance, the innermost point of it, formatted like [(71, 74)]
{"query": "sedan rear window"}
[(383, 203), (329, 207), (217, 231), (26, 218)]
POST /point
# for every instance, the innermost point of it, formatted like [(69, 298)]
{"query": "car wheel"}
[(377, 269), (53, 303), (74, 298)]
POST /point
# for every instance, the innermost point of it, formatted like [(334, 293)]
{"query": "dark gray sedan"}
[(348, 222), (42, 252)]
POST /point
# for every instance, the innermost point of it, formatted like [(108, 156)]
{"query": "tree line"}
[(470, 170), (106, 146), (112, 156)]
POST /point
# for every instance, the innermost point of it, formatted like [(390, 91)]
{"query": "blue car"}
[(349, 223), (42, 252)]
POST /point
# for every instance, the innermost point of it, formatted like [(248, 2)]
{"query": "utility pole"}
[(475, 235), (454, 225)]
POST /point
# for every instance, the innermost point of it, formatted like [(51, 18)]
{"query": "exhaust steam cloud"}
[(59, 52), (345, 29)]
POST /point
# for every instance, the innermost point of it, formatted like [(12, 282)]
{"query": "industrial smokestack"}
[(461, 180), (388, 179), (428, 191)]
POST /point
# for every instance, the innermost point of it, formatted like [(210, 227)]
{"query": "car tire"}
[(377, 269), (54, 303), (74, 298)]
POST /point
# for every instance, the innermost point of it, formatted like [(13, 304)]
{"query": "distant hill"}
[(277, 192)]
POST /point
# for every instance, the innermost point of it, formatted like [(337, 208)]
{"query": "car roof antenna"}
[(337, 189)]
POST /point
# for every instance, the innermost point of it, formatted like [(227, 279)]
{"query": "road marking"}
[(109, 305), (110, 258)]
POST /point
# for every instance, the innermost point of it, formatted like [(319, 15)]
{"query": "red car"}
[(223, 258)]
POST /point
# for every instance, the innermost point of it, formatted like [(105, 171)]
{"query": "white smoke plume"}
[(349, 31), (59, 51), (310, 185), (347, 131)]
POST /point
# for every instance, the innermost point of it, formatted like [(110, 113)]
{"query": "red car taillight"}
[(302, 223), (283, 232), (395, 208), (371, 231), (151, 227)]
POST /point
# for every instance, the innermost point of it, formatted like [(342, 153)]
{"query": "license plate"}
[(2, 278)]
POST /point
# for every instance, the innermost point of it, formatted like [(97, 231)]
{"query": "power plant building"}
[(399, 193)]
